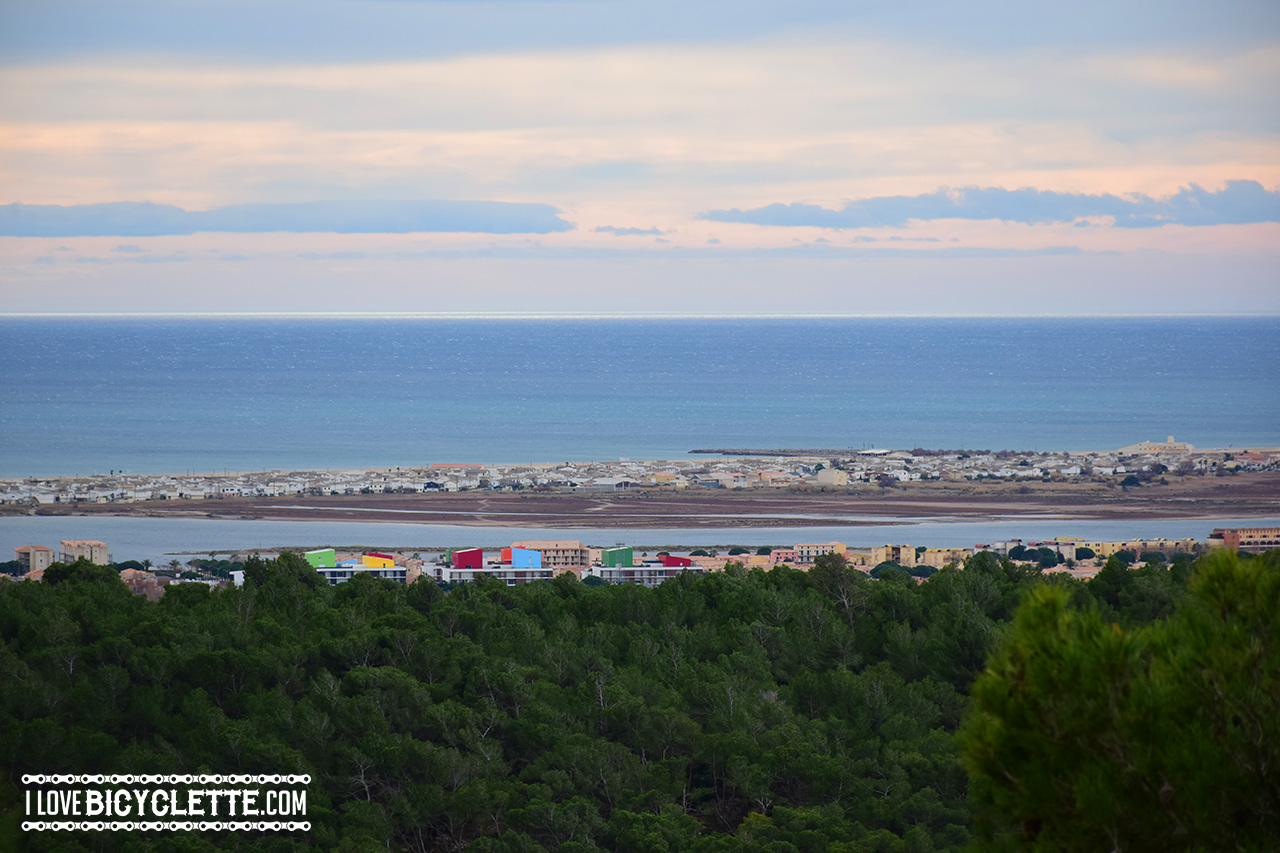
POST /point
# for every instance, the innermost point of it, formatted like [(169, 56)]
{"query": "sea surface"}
[(84, 395)]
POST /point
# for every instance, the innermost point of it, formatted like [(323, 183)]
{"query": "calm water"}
[(156, 539), (80, 396)]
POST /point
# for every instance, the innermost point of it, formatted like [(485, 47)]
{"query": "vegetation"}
[(1087, 736), (207, 568), (734, 711)]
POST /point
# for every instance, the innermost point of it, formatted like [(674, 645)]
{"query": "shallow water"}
[(157, 539)]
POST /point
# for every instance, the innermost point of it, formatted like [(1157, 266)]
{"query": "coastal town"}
[(792, 469), (826, 488)]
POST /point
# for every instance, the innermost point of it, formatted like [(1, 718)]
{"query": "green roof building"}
[(617, 558), (322, 558)]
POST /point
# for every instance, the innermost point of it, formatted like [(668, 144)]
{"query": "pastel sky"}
[(659, 157)]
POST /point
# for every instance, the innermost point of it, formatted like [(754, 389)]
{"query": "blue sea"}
[(81, 395)]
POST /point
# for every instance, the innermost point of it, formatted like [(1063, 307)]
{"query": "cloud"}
[(660, 129), (143, 219), (634, 252), (129, 249), (175, 258), (333, 256), (628, 232), (1240, 202)]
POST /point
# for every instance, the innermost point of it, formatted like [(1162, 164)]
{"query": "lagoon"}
[(160, 539)]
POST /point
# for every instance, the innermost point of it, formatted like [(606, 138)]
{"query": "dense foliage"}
[(734, 711), (1087, 736)]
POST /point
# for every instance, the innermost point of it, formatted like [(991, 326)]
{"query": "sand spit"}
[(1240, 495)]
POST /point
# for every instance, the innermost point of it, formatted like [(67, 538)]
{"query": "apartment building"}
[(1249, 539), (807, 552), (938, 558), (91, 549), (348, 569), (903, 555), (557, 553), (649, 574), (34, 557)]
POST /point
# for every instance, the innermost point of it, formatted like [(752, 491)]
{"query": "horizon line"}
[(604, 315)]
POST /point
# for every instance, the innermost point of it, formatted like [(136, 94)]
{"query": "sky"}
[(599, 157)]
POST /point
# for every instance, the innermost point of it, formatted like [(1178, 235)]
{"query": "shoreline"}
[(697, 457), (1241, 495)]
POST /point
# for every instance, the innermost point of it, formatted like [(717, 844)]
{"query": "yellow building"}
[(940, 557), (1167, 446), (1137, 546), (832, 477), (378, 561), (903, 555), (807, 552)]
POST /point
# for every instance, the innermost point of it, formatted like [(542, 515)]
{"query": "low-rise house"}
[(832, 477), (142, 583)]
